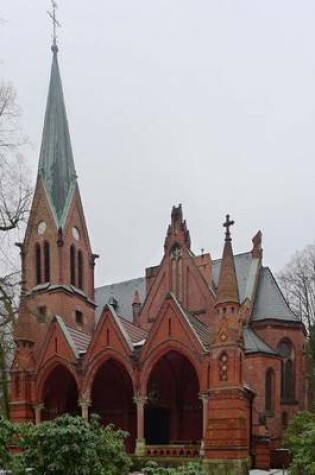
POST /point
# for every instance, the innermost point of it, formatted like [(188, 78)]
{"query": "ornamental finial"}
[(227, 225), (55, 23)]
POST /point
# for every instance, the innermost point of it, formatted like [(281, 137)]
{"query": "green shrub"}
[(70, 445), (7, 433), (192, 468), (300, 439)]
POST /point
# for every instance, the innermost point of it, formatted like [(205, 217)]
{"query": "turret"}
[(227, 296)]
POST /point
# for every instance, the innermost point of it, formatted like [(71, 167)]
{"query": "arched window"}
[(47, 261), (286, 351), (269, 392), (38, 266), (80, 270), (72, 265)]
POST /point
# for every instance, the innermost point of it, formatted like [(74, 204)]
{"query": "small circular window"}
[(75, 233), (41, 227)]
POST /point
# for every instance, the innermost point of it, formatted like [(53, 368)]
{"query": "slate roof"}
[(123, 293), (200, 328), (269, 302), (80, 339), (254, 344), (242, 267), (56, 164), (135, 333)]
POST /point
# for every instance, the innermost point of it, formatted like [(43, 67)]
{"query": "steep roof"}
[(242, 264), (269, 302), (135, 333), (254, 344), (56, 164), (123, 293)]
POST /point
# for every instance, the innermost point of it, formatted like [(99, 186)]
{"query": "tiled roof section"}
[(123, 292), (254, 344), (135, 333), (242, 264), (80, 339), (269, 302), (56, 164), (200, 328)]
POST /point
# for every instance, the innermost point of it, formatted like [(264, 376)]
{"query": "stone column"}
[(204, 398), (38, 412), (140, 401), (85, 404)]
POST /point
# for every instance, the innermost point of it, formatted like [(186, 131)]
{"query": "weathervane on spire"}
[(227, 225), (55, 23)]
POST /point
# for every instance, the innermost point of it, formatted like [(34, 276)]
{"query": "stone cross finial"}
[(55, 23), (227, 225)]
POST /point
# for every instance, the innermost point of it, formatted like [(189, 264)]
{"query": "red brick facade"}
[(206, 357)]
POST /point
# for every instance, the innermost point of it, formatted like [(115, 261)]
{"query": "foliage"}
[(68, 445), (74, 446), (191, 468), (7, 432), (300, 439)]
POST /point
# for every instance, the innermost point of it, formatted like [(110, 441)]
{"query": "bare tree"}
[(15, 198), (297, 281)]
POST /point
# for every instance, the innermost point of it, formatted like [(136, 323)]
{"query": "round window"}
[(41, 227)]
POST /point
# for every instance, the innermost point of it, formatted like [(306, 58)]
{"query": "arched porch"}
[(173, 411), (112, 399), (60, 394)]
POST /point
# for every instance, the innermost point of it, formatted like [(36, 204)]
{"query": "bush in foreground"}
[(68, 445), (191, 468), (300, 439)]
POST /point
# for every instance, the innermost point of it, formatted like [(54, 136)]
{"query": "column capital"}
[(204, 396), (84, 402), (140, 400)]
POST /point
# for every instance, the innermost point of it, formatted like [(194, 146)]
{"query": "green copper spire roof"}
[(56, 165)]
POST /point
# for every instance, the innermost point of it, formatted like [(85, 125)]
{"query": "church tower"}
[(57, 261)]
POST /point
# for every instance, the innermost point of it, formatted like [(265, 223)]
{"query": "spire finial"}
[(227, 225), (55, 22)]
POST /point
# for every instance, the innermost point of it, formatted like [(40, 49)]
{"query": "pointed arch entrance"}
[(173, 413), (112, 399), (60, 394)]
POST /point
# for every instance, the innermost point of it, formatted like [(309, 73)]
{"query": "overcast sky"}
[(208, 103)]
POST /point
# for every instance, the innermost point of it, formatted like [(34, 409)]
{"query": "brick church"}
[(198, 358)]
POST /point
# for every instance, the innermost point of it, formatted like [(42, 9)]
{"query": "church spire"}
[(227, 291), (56, 164)]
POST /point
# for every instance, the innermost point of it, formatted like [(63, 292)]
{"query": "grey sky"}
[(208, 103)]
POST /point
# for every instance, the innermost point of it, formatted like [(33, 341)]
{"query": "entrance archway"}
[(112, 399), (60, 394), (173, 413)]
